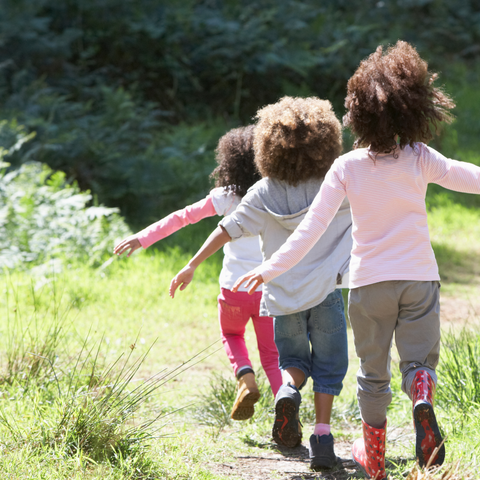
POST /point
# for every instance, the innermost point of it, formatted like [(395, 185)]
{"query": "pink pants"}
[(234, 312)]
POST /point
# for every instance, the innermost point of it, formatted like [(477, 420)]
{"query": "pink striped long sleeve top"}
[(177, 220), (387, 197)]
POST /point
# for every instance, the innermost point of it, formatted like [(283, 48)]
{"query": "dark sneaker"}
[(287, 429), (322, 455)]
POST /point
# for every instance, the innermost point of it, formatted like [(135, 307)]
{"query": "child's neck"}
[(397, 145)]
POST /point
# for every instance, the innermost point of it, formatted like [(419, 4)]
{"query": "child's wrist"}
[(192, 264)]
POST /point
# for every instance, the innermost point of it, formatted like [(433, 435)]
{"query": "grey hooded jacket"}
[(273, 209)]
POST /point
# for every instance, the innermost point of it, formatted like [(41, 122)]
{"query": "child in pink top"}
[(394, 280), (235, 173)]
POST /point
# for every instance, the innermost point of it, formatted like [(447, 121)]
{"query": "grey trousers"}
[(411, 311)]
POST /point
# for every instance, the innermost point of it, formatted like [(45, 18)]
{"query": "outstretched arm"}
[(166, 226), (218, 238)]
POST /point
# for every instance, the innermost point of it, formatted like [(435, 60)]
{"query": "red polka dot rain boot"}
[(428, 435), (369, 452)]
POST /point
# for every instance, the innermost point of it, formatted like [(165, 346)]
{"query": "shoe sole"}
[(428, 435), (285, 429), (244, 409)]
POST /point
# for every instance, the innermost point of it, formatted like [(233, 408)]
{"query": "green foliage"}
[(44, 217), (130, 97), (192, 57), (459, 371), (114, 146)]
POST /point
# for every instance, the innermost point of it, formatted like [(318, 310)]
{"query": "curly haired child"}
[(235, 173), (296, 141), (394, 280)]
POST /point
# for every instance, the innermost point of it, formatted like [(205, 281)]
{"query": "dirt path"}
[(274, 462), (281, 463), (459, 312)]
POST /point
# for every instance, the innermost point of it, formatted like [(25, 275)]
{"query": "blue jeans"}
[(315, 341)]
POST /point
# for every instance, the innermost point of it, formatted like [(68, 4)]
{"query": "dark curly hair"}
[(297, 139), (235, 157), (393, 94)]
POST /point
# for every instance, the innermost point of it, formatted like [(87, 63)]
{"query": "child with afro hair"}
[(394, 282), (235, 174), (296, 142)]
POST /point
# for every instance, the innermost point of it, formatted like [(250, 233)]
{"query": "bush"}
[(43, 217)]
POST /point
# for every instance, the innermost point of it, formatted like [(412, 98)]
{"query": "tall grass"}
[(459, 371), (64, 396), (215, 403)]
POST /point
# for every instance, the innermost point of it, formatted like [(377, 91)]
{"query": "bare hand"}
[(250, 278), (181, 279), (130, 243)]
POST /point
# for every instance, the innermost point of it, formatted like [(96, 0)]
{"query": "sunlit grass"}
[(125, 303)]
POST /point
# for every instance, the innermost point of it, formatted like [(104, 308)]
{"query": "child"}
[(296, 141), (235, 173), (394, 277)]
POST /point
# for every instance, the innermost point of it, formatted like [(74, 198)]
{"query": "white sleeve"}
[(225, 200)]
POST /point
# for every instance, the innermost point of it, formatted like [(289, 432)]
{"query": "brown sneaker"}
[(247, 396)]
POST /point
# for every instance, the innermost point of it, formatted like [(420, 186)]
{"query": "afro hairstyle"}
[(391, 94), (235, 157), (297, 139)]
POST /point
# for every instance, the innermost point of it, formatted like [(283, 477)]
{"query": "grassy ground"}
[(123, 308)]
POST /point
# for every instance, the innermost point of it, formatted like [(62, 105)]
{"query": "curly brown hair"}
[(392, 94), (297, 139), (235, 157)]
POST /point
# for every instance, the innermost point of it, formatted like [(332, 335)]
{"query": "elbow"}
[(225, 234)]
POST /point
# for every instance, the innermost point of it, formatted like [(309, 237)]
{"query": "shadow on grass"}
[(456, 266)]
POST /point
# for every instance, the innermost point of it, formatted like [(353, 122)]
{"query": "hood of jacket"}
[(288, 204)]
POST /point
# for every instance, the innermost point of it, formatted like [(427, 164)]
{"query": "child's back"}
[(387, 196), (273, 209)]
